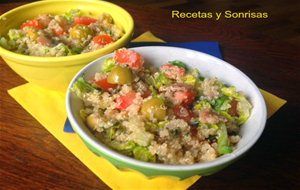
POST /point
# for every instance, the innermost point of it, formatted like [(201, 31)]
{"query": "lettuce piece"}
[(162, 124), (7, 44), (142, 153), (190, 79), (153, 90), (195, 72), (227, 115), (142, 137), (63, 49), (231, 92), (111, 131), (222, 103), (222, 141), (83, 114), (160, 80), (72, 14), (125, 148), (108, 64), (81, 86), (203, 104), (244, 109), (179, 64), (14, 34), (76, 50)]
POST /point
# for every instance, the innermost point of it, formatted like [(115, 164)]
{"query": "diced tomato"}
[(33, 24), (233, 109), (185, 97), (129, 57), (172, 71), (126, 100), (44, 41), (103, 39), (182, 112), (85, 20), (104, 85), (58, 31)]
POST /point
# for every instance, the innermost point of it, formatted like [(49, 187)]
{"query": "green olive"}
[(120, 75), (154, 108), (80, 32), (91, 121)]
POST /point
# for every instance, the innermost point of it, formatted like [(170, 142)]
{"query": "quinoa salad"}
[(61, 35), (169, 115)]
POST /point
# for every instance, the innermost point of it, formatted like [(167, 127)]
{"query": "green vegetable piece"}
[(226, 115), (14, 34), (190, 79), (76, 50), (231, 92), (153, 90), (81, 86), (111, 132), (108, 64), (72, 14), (222, 103), (152, 127), (160, 80), (142, 153), (125, 148), (223, 142), (7, 44), (83, 114), (179, 64), (244, 109), (202, 105), (162, 124), (195, 72), (63, 48)]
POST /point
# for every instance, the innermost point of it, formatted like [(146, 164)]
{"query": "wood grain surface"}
[(266, 50)]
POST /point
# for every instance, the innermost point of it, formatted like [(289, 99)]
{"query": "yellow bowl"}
[(56, 72)]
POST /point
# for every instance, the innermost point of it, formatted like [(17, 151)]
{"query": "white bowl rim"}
[(158, 166)]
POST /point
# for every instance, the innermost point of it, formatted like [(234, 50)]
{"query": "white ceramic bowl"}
[(208, 66)]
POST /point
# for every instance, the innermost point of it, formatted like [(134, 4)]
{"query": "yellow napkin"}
[(48, 107)]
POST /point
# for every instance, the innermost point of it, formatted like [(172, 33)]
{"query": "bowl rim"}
[(158, 166), (126, 37)]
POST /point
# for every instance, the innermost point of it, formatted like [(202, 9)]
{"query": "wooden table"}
[(31, 158)]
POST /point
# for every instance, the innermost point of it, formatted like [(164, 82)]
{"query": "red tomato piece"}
[(172, 71), (104, 85), (126, 100), (185, 97), (84, 20), (183, 112), (59, 31), (33, 24), (129, 57), (103, 39)]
